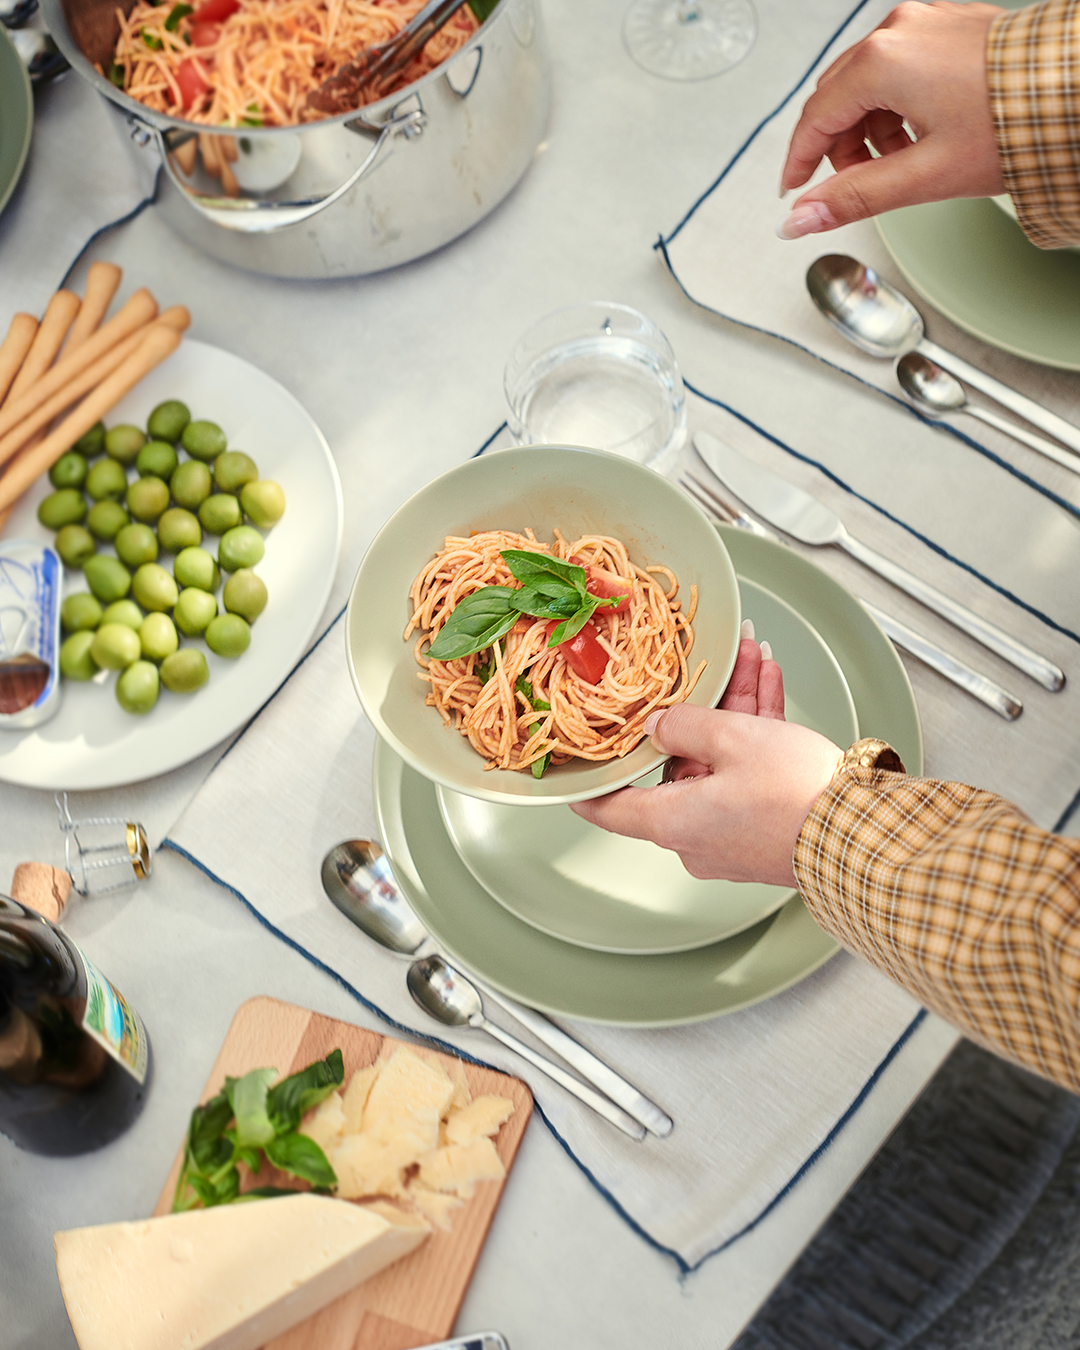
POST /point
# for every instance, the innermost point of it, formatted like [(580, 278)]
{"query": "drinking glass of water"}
[(600, 375)]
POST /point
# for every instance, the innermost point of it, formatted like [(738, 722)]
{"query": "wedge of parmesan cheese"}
[(228, 1278)]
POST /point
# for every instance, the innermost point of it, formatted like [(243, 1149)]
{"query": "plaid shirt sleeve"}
[(1033, 71), (958, 897)]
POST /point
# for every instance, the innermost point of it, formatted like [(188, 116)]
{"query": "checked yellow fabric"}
[(956, 895), (1033, 71)]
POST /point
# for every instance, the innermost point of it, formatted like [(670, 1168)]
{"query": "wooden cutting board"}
[(415, 1301)]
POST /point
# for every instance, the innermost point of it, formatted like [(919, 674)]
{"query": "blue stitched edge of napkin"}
[(136, 210)]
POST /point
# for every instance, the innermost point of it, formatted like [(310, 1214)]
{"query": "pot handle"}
[(258, 215)]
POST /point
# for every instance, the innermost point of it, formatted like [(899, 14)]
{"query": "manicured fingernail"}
[(747, 629), (766, 652), (811, 218), (651, 721)]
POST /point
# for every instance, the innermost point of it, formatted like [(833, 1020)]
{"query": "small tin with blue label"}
[(31, 580)]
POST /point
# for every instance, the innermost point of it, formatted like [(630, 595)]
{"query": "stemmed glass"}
[(689, 39)]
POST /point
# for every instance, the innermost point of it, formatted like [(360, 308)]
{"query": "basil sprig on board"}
[(247, 1118), (550, 589)]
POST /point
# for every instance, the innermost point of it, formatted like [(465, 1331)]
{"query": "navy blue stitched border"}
[(917, 534), (112, 224), (685, 1267)]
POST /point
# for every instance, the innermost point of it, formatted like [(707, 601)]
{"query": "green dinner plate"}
[(579, 883), (561, 978), (16, 116), (976, 265)]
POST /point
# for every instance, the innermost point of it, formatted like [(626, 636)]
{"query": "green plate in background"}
[(579, 883), (979, 269), (666, 990), (16, 116)]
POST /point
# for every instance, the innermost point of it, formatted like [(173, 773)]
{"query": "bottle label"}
[(114, 1024)]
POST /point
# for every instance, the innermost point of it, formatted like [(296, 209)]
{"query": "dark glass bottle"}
[(74, 1056)]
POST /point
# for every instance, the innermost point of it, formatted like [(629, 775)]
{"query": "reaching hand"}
[(740, 784), (926, 66)]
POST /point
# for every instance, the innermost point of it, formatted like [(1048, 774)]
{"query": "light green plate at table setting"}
[(16, 116), (652, 990), (579, 883), (977, 267)]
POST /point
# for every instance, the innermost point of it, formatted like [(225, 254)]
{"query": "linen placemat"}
[(78, 181)]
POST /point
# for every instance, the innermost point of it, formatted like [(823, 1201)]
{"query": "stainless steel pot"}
[(352, 194)]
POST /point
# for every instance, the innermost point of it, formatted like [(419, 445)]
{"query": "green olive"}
[(191, 484), (228, 635), (154, 588), (196, 567), (185, 671), (168, 420), (147, 498), (91, 443), (234, 470), (137, 689), (193, 611), (106, 519), (156, 458), (240, 547), (264, 503), (178, 529), (107, 577), (220, 513), (158, 637), (203, 440), (245, 594), (69, 471), (75, 544), (80, 612), (76, 662), (126, 612), (115, 646), (136, 544), (123, 443), (66, 506), (106, 479)]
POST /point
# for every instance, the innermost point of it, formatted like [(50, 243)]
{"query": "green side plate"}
[(655, 990), (16, 116), (579, 883), (978, 268)]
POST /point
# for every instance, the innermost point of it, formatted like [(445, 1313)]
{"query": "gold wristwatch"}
[(870, 753)]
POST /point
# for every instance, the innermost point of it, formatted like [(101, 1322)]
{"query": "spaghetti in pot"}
[(647, 648), (258, 65)]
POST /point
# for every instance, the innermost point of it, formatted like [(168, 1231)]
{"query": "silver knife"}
[(797, 513), (965, 677)]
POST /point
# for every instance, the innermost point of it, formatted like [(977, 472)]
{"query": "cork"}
[(41, 887)]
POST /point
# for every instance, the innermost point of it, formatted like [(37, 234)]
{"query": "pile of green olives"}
[(146, 494)]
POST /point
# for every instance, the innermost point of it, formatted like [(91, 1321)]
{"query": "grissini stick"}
[(53, 329), (102, 283), (140, 309), (13, 349), (161, 341), (23, 436)]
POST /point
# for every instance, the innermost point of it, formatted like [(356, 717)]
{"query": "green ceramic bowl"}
[(542, 487)]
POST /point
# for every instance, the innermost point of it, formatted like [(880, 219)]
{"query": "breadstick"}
[(102, 283), (185, 156), (13, 349), (20, 437), (210, 157), (160, 341), (59, 316), (139, 310)]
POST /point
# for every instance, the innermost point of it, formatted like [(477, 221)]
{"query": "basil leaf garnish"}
[(477, 621), (177, 13), (540, 606), (549, 576)]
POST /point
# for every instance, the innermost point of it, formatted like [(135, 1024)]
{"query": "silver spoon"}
[(357, 877), (877, 319), (935, 393), (445, 994)]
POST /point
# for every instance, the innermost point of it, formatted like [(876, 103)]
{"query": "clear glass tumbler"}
[(601, 375)]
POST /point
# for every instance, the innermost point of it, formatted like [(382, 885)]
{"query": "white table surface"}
[(403, 373)]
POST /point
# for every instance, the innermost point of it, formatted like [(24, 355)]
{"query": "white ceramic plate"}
[(579, 883), (92, 742)]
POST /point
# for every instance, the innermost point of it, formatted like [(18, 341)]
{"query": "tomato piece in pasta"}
[(583, 653)]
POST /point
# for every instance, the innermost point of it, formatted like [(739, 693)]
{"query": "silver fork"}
[(724, 508)]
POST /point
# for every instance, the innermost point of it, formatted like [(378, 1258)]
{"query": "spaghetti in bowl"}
[(581, 508)]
